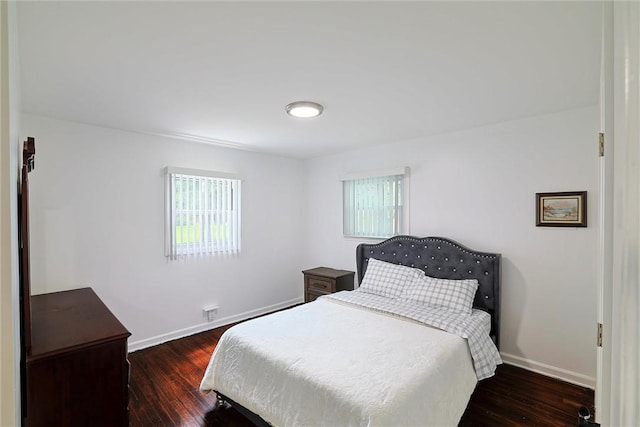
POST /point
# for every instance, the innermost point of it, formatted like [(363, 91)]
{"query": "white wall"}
[(97, 219), (478, 187)]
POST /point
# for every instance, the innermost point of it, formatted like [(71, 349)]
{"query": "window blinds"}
[(373, 205), (203, 213)]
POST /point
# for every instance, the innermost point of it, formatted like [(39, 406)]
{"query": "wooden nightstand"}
[(322, 280)]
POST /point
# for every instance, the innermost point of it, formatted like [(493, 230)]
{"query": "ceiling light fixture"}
[(305, 109)]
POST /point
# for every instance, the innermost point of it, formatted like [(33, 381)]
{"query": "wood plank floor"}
[(165, 379)]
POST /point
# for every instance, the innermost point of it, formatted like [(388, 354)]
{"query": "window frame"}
[(233, 217), (401, 209)]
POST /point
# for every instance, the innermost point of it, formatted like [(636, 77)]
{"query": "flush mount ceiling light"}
[(305, 109)]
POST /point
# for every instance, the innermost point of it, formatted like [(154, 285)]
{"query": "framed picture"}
[(568, 209)]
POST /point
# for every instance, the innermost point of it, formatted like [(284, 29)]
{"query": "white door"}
[(618, 375)]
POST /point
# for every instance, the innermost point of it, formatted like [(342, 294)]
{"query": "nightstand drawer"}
[(311, 296), (316, 283)]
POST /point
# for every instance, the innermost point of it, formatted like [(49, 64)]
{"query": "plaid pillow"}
[(453, 295), (387, 279)]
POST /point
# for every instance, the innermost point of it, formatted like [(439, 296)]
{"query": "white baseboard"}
[(181, 333), (550, 371)]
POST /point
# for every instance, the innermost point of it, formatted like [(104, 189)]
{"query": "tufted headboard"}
[(444, 259)]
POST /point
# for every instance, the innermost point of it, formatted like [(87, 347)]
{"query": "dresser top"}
[(62, 321)]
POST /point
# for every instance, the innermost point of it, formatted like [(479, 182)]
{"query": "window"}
[(373, 204), (202, 213)]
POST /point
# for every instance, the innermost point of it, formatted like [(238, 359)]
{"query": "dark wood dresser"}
[(77, 370), (323, 280)]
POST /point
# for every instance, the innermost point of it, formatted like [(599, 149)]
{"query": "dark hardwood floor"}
[(165, 380)]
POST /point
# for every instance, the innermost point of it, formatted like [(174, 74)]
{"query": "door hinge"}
[(599, 334), (601, 144)]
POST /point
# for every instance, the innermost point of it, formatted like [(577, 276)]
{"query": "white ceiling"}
[(385, 71)]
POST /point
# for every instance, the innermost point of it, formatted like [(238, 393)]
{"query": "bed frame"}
[(438, 257)]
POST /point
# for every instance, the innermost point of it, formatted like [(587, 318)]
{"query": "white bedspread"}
[(474, 328), (330, 364)]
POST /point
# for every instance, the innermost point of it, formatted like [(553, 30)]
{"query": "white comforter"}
[(330, 364)]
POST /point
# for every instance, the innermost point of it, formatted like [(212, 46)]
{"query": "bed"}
[(406, 348)]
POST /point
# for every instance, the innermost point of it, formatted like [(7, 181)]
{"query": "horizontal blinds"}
[(373, 206), (203, 215)]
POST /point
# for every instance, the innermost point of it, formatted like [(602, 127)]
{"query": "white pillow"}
[(453, 295), (387, 279)]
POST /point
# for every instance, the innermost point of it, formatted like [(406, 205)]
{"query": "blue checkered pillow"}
[(453, 295), (387, 279)]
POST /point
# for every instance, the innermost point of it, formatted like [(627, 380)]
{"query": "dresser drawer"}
[(320, 284)]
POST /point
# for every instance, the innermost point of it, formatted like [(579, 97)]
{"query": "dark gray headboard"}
[(444, 259)]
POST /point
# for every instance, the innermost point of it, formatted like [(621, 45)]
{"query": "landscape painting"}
[(564, 209)]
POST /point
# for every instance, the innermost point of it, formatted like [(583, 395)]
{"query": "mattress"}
[(331, 363)]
